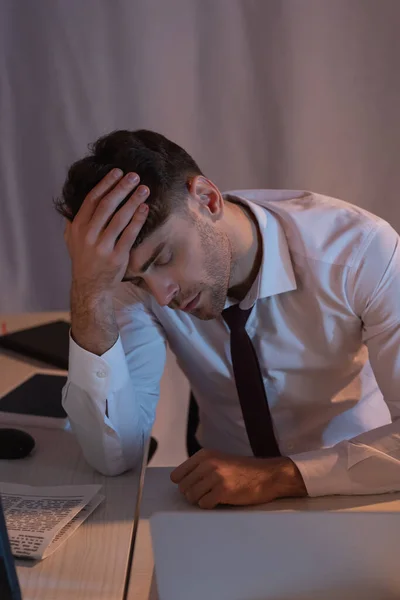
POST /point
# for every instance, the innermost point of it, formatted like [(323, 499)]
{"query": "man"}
[(282, 308)]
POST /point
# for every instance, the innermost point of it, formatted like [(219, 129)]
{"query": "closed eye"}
[(163, 260)]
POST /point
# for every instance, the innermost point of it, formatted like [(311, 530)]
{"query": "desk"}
[(159, 494), (91, 565)]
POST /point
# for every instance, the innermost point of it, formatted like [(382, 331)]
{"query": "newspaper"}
[(40, 519)]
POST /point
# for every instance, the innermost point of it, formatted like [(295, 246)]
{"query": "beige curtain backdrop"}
[(264, 93)]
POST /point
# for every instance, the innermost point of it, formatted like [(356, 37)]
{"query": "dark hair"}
[(161, 164)]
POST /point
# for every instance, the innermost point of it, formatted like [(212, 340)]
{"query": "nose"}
[(163, 291)]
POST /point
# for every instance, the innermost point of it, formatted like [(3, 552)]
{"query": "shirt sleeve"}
[(111, 399), (370, 462)]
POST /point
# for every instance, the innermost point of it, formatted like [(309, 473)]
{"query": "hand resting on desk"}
[(210, 478)]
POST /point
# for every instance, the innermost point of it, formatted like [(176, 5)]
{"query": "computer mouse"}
[(15, 443)]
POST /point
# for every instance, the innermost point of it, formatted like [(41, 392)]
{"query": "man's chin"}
[(205, 314), (209, 306)]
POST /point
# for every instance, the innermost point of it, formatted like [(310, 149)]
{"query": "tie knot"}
[(235, 317)]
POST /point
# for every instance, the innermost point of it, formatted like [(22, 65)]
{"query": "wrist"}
[(93, 322), (288, 480), (85, 295)]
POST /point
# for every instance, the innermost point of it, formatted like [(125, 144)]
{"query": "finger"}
[(200, 472), (212, 499), (131, 231), (186, 467), (93, 198), (123, 216), (110, 203), (202, 487)]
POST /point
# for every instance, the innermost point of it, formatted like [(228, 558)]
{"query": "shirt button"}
[(290, 446), (101, 374)]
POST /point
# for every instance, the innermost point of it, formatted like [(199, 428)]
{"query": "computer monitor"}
[(9, 585)]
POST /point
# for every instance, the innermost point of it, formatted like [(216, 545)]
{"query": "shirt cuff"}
[(325, 472), (98, 376)]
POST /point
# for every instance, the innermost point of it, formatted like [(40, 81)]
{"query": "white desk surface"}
[(91, 564), (160, 494)]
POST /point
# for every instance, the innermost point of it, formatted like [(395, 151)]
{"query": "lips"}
[(191, 305)]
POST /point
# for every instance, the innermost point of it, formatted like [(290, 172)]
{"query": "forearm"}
[(367, 464), (93, 323), (109, 447), (111, 399)]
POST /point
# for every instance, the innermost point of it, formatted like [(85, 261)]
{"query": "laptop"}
[(9, 585), (232, 555)]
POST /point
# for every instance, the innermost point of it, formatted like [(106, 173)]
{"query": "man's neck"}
[(247, 250)]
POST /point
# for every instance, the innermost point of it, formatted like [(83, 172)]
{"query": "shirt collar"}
[(276, 274)]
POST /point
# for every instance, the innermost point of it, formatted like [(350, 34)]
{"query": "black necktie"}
[(250, 385)]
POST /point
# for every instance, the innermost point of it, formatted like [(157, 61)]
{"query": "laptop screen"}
[(9, 586)]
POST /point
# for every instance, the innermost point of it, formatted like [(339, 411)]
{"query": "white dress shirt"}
[(325, 326)]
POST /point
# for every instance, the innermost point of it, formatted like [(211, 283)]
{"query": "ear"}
[(207, 196)]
